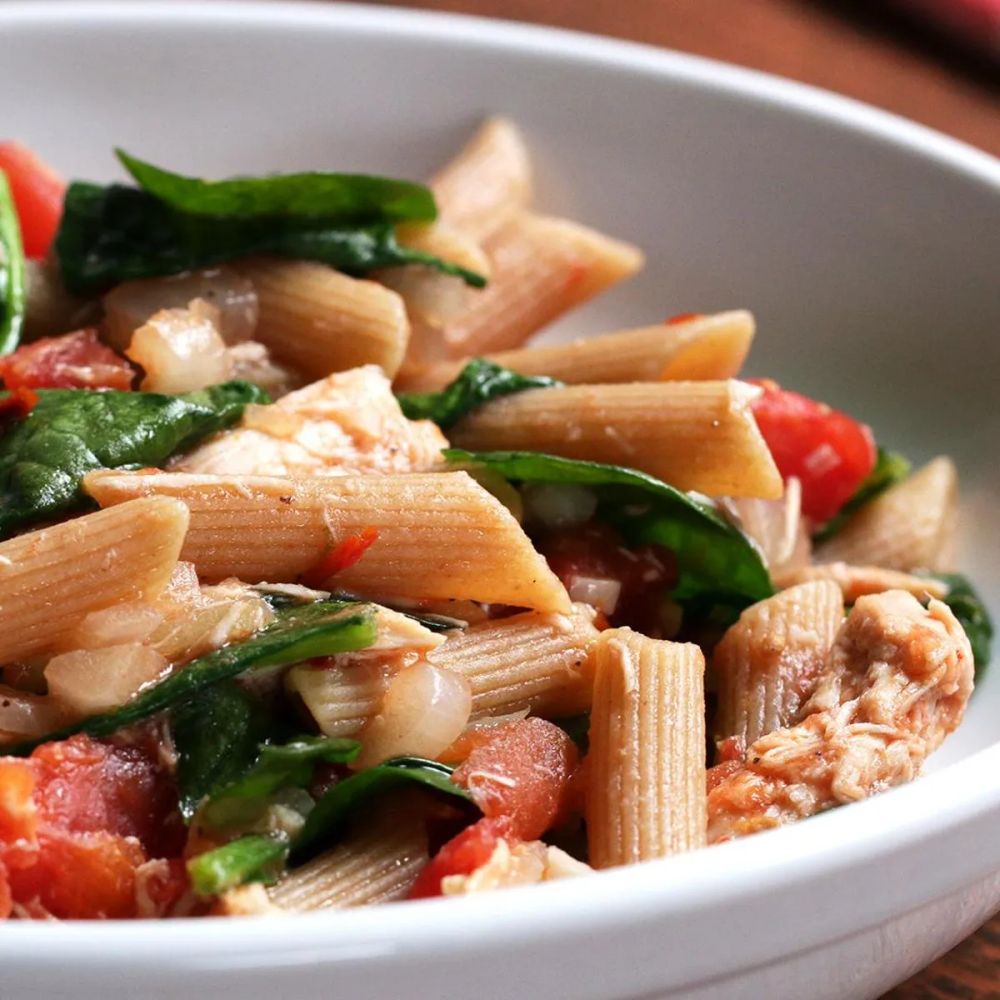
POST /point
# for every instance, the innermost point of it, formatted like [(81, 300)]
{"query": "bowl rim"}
[(964, 796)]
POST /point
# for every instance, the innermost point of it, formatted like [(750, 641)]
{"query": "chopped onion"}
[(132, 621), (776, 526), (558, 505), (598, 592), (200, 628), (424, 710), (130, 305), (98, 680), (180, 349), (27, 715)]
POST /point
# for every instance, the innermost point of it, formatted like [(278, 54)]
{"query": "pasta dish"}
[(321, 587)]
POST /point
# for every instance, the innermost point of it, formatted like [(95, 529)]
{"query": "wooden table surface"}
[(859, 48)]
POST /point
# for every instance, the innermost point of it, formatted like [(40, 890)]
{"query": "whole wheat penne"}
[(767, 664), (910, 526), (859, 581), (439, 535), (646, 784), (541, 267), (534, 662), (378, 863), (318, 320), (51, 578), (486, 182), (694, 435), (703, 347)]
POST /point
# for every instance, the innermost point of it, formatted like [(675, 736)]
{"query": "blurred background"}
[(935, 61)]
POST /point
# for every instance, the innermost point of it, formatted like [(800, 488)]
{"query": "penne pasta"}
[(767, 664), (486, 182), (440, 535), (700, 348), (51, 578), (646, 783), (694, 435), (318, 320), (378, 863), (541, 267), (528, 662), (860, 581), (910, 526)]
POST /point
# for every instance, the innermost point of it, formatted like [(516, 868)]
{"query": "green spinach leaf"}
[(337, 198), (715, 559), (478, 382), (890, 468), (12, 281), (296, 634), (71, 432), (118, 233), (253, 858), (217, 737), (971, 612), (335, 807)]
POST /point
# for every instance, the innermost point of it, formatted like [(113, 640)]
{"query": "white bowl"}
[(868, 249)]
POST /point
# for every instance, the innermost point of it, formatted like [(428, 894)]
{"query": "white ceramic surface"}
[(868, 248)]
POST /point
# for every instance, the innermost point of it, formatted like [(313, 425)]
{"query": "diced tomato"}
[(597, 551), (461, 855), (18, 403), (38, 193), (829, 452), (342, 556), (75, 360), (79, 822), (522, 772)]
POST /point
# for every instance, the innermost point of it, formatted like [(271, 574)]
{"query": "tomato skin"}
[(522, 771), (829, 452), (461, 855), (75, 360), (38, 193), (342, 556)]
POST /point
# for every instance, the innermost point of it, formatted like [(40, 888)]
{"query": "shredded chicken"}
[(896, 683), (527, 863), (346, 423)]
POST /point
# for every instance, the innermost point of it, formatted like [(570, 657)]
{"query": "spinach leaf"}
[(971, 613), (249, 859), (217, 737), (477, 383), (277, 767), (12, 283), (715, 559), (337, 198), (336, 805), (71, 432), (890, 468), (296, 634), (118, 233)]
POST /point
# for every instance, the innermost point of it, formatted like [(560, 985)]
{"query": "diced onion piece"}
[(180, 349), (424, 710), (777, 526), (598, 592), (195, 629), (98, 680), (132, 621), (24, 715), (558, 505), (130, 305)]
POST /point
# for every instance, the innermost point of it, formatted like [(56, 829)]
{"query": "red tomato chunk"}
[(38, 196), (829, 452), (80, 822), (73, 361), (461, 855)]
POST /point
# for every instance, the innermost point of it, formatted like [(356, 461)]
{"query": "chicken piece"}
[(526, 863), (346, 423), (896, 683), (858, 581)]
